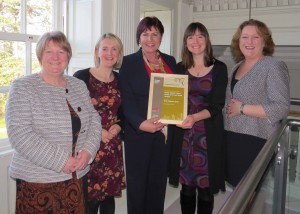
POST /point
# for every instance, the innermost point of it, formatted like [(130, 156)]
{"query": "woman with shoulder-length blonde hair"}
[(106, 179)]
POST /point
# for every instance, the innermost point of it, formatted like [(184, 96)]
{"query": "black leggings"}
[(204, 200), (203, 194), (106, 207)]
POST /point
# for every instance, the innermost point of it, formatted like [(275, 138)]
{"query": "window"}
[(21, 24)]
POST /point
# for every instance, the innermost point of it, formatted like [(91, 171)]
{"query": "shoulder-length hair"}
[(146, 24), (56, 37), (262, 30), (186, 55), (115, 38)]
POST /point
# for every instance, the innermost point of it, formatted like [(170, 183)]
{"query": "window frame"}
[(29, 39)]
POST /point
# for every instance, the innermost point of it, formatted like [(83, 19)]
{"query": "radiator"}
[(8, 185)]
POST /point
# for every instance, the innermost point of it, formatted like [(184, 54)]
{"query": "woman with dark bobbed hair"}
[(257, 97), (146, 147)]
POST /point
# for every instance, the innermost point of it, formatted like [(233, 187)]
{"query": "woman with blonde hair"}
[(106, 179)]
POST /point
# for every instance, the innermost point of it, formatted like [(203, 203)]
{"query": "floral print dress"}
[(193, 164), (106, 177)]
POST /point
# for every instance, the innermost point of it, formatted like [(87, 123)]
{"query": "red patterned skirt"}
[(56, 198)]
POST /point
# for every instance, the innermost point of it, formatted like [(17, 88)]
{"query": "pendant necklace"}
[(197, 73)]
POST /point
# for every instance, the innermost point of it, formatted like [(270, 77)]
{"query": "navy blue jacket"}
[(134, 84)]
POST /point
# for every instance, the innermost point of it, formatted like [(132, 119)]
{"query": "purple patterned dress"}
[(193, 165), (106, 177)]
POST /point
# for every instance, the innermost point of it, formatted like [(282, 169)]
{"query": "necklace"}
[(155, 65), (202, 71), (152, 65), (196, 72)]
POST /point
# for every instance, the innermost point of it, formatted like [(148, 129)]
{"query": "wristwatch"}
[(242, 108)]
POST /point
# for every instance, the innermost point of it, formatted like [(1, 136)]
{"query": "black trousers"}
[(146, 174), (107, 206)]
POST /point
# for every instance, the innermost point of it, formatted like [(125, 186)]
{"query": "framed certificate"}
[(168, 97)]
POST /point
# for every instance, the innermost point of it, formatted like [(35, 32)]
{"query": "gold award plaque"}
[(168, 97)]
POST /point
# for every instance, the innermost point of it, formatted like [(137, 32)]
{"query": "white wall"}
[(166, 18), (127, 17), (183, 19), (83, 30), (283, 21), (108, 16), (165, 3)]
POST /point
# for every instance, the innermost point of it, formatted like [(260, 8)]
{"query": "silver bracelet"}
[(242, 108)]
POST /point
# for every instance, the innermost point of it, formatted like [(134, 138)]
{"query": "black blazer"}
[(134, 84), (214, 132)]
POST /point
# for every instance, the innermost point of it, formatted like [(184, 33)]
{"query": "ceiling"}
[(150, 6)]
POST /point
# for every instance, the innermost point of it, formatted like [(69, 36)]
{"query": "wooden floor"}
[(294, 113)]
